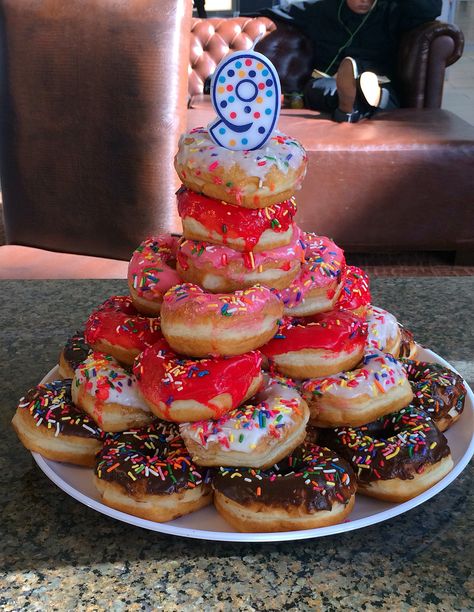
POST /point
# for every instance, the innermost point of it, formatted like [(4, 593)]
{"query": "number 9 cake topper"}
[(245, 93)]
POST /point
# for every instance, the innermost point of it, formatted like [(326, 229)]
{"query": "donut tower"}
[(247, 366)]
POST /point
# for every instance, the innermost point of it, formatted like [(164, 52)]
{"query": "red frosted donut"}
[(241, 229), (219, 268), (355, 295), (319, 282), (116, 328), (320, 345), (201, 324), (181, 390), (151, 272)]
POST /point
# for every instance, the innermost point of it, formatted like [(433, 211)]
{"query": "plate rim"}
[(276, 536)]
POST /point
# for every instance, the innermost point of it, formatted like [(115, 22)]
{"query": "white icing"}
[(101, 375), (242, 429), (382, 327)]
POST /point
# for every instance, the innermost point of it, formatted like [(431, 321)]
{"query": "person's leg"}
[(321, 95)]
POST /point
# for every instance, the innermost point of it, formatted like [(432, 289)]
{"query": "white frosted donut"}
[(219, 268), (383, 331), (201, 324), (254, 435), (252, 179), (109, 394), (151, 272), (319, 283), (353, 398)]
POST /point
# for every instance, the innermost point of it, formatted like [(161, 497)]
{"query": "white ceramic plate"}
[(206, 524)]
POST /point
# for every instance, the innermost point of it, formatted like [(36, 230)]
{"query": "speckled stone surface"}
[(57, 554)]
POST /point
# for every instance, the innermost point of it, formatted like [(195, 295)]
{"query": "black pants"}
[(321, 95)]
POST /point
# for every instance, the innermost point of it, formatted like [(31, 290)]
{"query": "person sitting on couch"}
[(355, 46)]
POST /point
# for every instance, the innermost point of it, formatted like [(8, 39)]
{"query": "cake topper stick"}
[(245, 93)]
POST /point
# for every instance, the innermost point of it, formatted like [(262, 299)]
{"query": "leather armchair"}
[(423, 57)]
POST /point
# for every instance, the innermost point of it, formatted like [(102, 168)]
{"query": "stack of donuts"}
[(246, 367)]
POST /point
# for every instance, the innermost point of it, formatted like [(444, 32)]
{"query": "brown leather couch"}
[(400, 181)]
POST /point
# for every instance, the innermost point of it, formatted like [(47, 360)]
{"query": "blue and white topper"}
[(246, 95)]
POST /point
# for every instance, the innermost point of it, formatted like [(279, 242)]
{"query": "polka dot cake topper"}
[(245, 93)]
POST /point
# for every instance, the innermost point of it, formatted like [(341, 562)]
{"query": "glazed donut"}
[(201, 324), (315, 346), (221, 269), (319, 283), (355, 295), (148, 473), (387, 335), (252, 179), (74, 352), (437, 390), (313, 487), (180, 390), (396, 457), (377, 387), (151, 272), (109, 394), (116, 328), (254, 435), (47, 422), (242, 229)]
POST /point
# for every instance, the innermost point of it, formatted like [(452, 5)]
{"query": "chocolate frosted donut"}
[(313, 487), (437, 390), (75, 351), (148, 473), (47, 421), (395, 457)]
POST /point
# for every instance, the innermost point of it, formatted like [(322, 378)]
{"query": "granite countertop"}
[(57, 554)]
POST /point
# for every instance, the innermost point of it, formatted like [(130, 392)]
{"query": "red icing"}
[(233, 222), (334, 331), (355, 292), (165, 377), (117, 321)]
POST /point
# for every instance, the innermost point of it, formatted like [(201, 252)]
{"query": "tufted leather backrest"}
[(213, 39)]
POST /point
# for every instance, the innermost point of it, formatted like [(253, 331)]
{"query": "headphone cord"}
[(352, 34)]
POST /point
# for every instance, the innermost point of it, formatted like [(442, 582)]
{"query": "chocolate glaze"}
[(312, 477), (51, 407), (152, 460), (398, 445), (76, 350), (437, 390)]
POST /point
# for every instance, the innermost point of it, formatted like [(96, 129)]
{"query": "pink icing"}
[(324, 267), (355, 292), (206, 255), (225, 305), (149, 270)]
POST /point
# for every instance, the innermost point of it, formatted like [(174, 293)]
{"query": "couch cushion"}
[(402, 180), (29, 263)]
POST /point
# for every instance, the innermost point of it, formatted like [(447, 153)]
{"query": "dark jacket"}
[(329, 24)]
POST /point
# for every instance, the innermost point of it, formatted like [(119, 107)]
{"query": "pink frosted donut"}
[(151, 272), (219, 268), (320, 281), (201, 324), (355, 295), (116, 328)]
